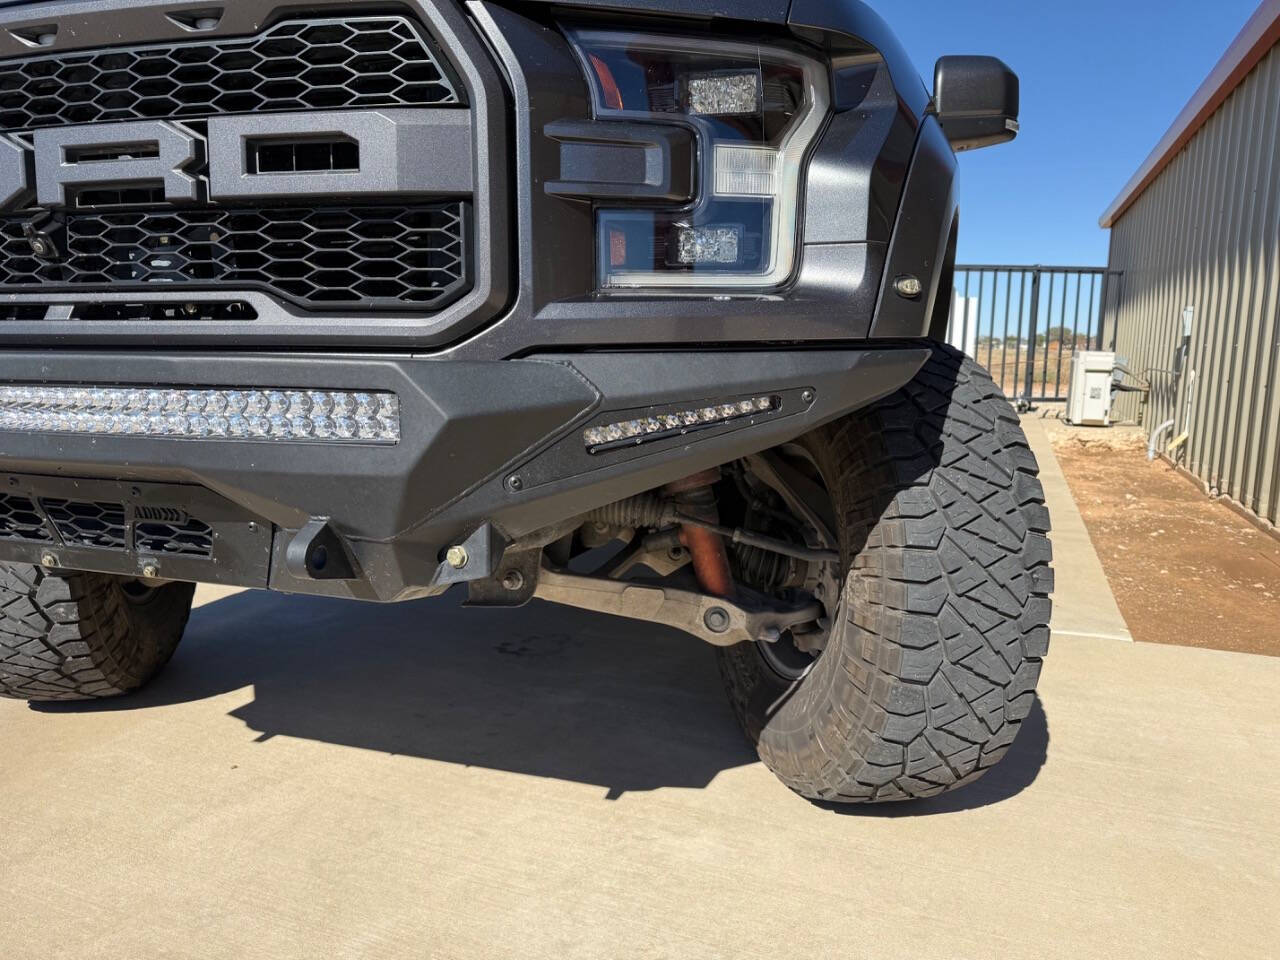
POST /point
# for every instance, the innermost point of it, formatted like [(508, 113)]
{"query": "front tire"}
[(942, 627), (84, 636)]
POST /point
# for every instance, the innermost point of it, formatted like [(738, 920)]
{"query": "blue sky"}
[(1101, 83)]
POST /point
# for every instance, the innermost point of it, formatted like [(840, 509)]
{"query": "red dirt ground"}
[(1185, 570)]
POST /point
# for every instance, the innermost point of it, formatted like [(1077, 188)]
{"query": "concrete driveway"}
[(322, 779)]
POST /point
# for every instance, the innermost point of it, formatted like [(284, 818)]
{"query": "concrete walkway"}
[(316, 779), (1084, 605)]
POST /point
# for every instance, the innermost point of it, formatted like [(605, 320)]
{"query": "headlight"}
[(755, 111)]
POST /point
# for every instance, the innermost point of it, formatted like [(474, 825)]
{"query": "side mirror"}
[(976, 99)]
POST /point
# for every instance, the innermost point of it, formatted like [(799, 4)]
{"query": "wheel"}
[(84, 636), (936, 643)]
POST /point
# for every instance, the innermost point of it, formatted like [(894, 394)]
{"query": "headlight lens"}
[(756, 111)]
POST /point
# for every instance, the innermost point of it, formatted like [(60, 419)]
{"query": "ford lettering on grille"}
[(366, 140)]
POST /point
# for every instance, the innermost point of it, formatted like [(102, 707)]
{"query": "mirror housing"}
[(976, 101)]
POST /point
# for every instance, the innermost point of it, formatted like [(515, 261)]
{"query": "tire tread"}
[(75, 636), (947, 600)]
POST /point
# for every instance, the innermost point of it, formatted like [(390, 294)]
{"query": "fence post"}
[(1031, 334)]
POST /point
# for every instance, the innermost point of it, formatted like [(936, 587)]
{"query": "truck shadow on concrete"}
[(543, 691)]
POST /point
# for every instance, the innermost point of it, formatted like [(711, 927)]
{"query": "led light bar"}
[(328, 416), (631, 432)]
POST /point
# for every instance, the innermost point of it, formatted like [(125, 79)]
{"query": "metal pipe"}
[(1155, 437), (710, 559), (695, 498)]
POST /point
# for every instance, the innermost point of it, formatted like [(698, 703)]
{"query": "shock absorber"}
[(695, 497)]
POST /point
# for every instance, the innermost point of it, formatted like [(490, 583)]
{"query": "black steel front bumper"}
[(486, 443)]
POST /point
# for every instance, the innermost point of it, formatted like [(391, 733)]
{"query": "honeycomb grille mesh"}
[(20, 520), (156, 530), (363, 256), (87, 524), (188, 538), (295, 65), (366, 256)]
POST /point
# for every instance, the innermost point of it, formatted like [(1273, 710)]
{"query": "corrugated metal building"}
[(1196, 234)]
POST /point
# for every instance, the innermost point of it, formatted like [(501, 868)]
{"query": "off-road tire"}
[(81, 636), (933, 660)]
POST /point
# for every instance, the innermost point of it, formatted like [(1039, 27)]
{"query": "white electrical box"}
[(1093, 374)]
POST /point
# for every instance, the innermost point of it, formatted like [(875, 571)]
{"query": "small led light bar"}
[(326, 416), (659, 427)]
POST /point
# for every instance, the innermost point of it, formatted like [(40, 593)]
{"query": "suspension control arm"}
[(711, 619)]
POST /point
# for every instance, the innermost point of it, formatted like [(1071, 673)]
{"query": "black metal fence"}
[(1024, 324)]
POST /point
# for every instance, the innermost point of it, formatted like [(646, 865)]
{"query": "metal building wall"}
[(1206, 234)]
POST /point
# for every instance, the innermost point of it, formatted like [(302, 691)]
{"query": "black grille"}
[(369, 256), (187, 310), (23, 311), (156, 530), (87, 524), (296, 65), (20, 520), (175, 537)]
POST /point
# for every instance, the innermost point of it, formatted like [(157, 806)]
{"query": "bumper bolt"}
[(48, 559), (513, 582), (457, 557), (151, 570), (515, 484), (808, 396), (717, 620)]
